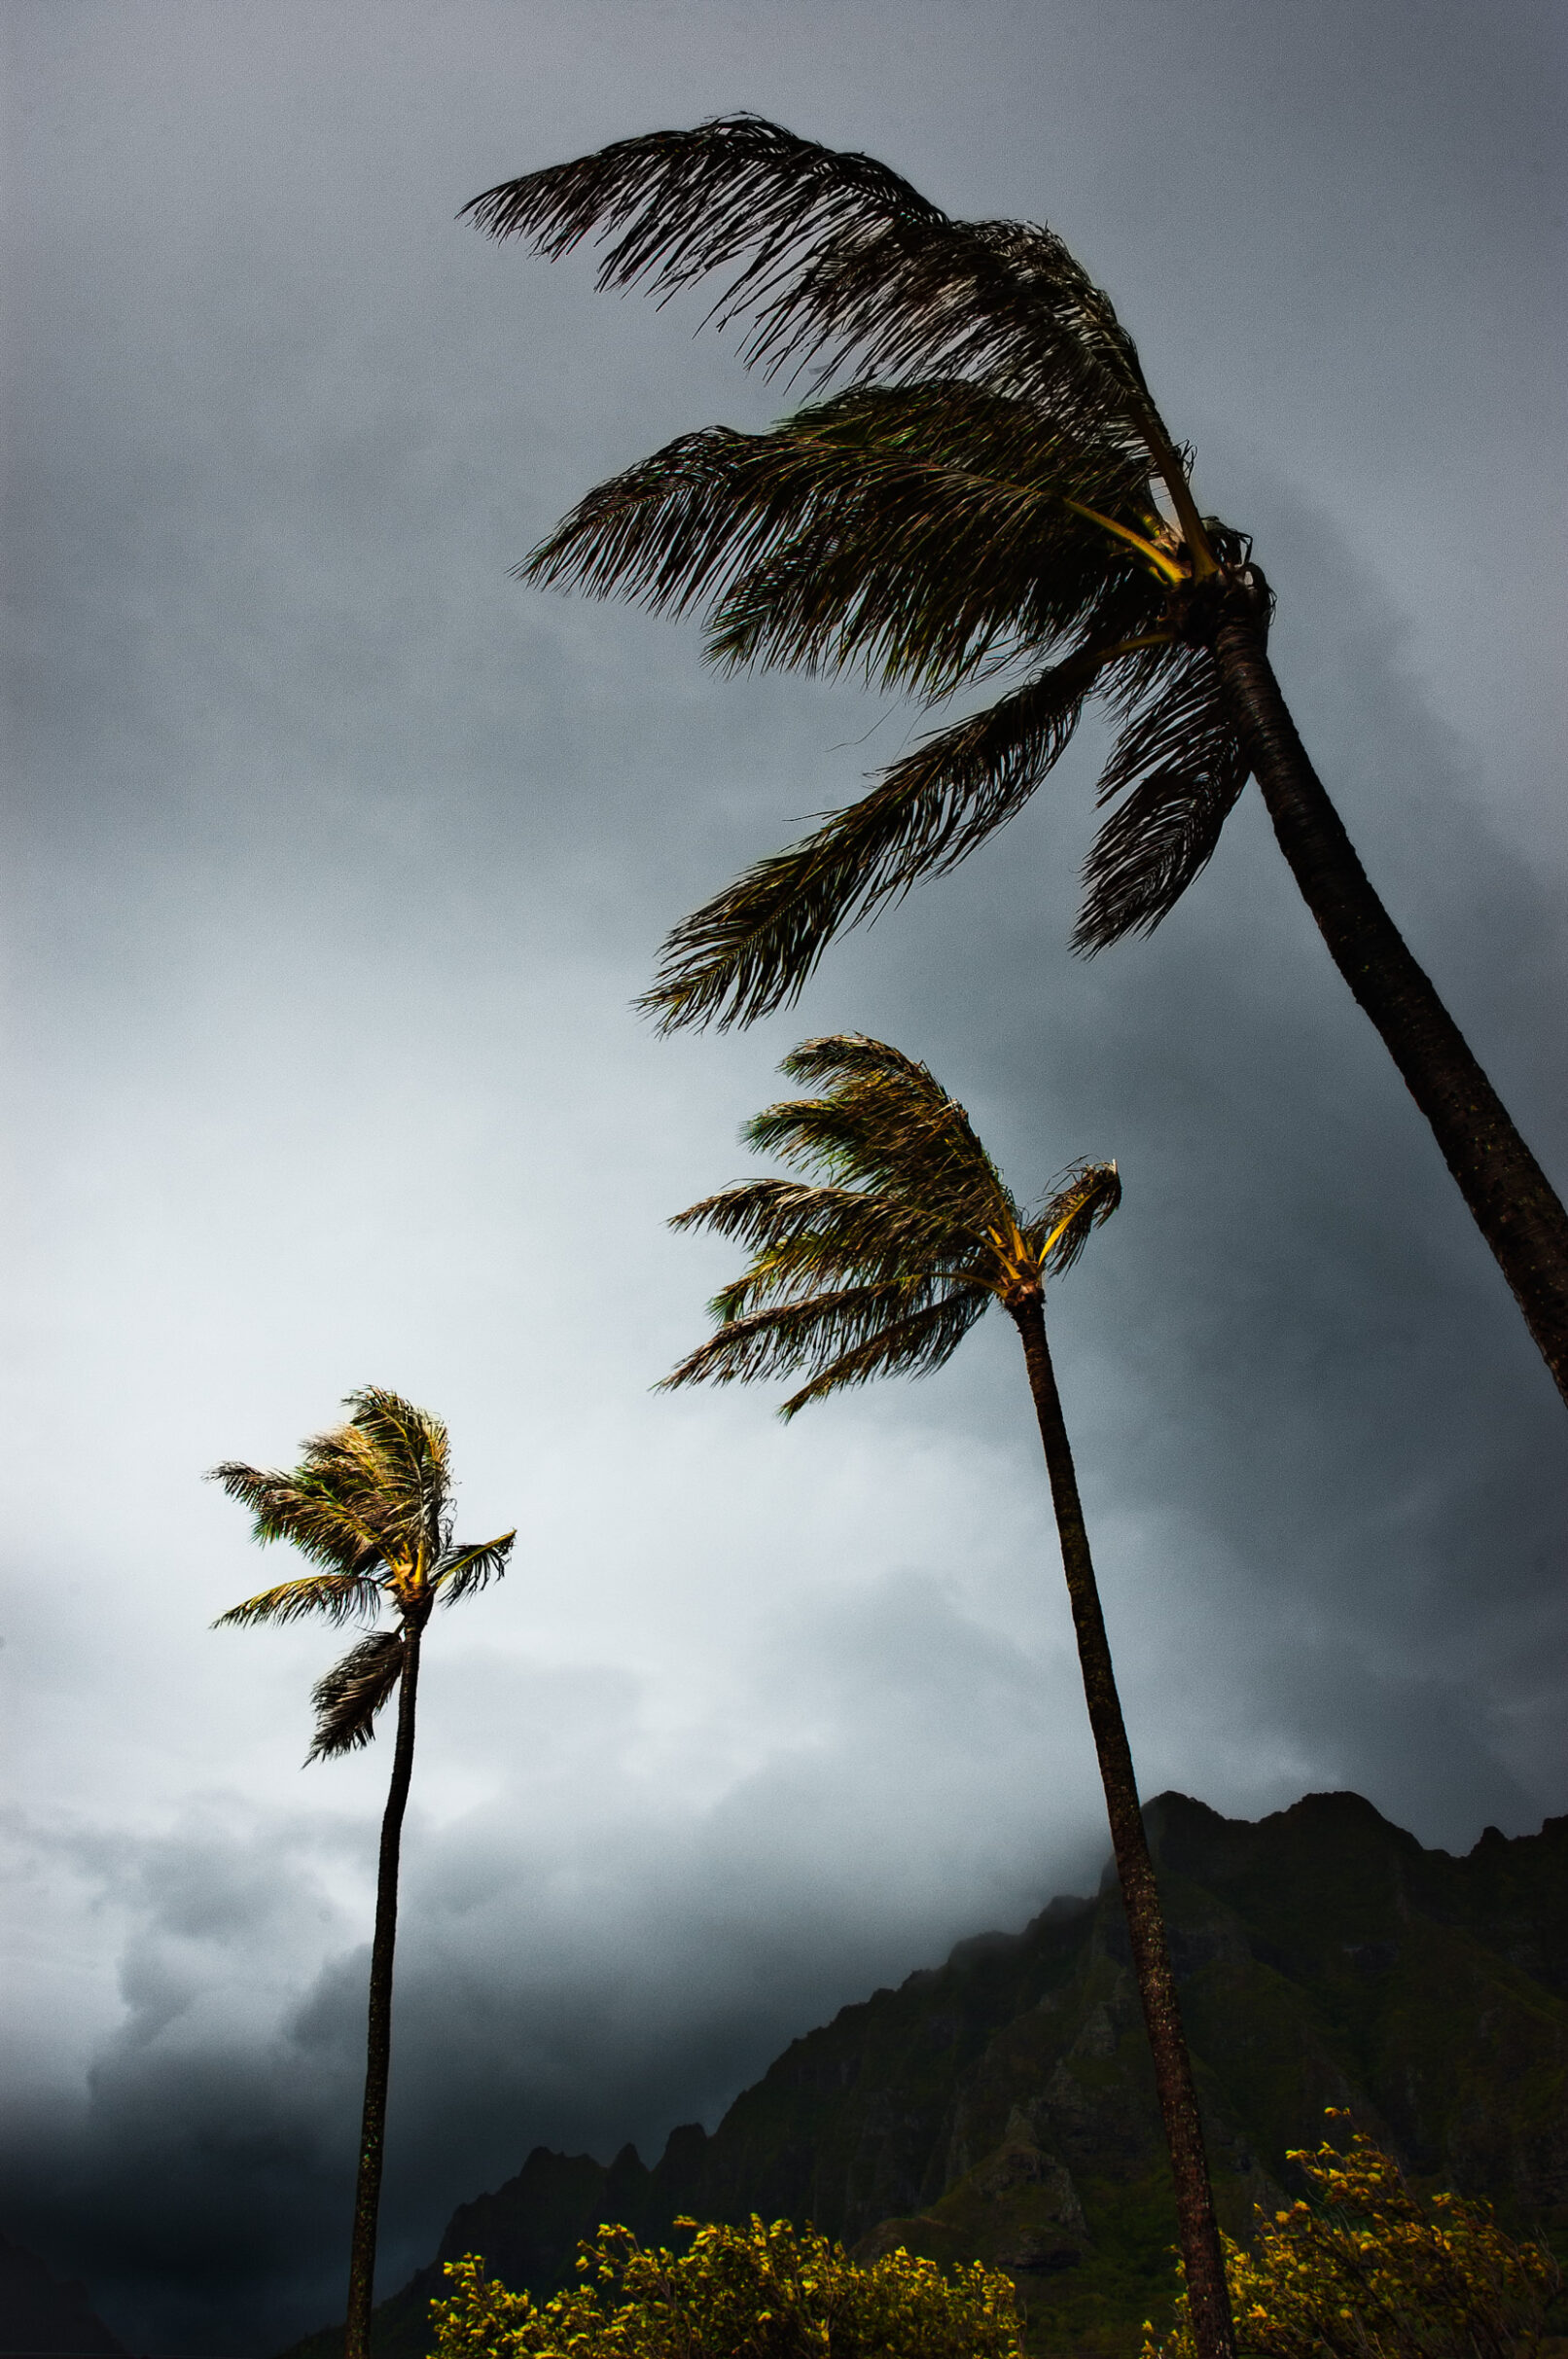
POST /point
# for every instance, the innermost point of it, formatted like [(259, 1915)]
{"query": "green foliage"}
[(993, 489), (883, 1270), (370, 1506), (758, 2291), (1366, 2270)]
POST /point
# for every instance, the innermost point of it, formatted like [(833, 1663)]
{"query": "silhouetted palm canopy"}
[(991, 498), (370, 1506), (882, 1264), (899, 1235)]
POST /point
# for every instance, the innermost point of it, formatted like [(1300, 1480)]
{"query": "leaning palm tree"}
[(878, 1263), (992, 493), (370, 1507)]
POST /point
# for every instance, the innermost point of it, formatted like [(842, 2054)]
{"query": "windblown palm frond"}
[(845, 1337), (1060, 1229), (883, 1270), (839, 1231), (466, 1569), (989, 502), (753, 949), (348, 1697), (408, 1457), (1179, 768), (326, 1523), (839, 260), (339, 1597), (920, 534)]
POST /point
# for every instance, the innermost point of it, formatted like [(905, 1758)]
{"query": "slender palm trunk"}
[(1515, 1205), (1202, 2255), (378, 2037)]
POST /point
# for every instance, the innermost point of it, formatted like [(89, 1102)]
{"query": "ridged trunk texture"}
[(379, 2033), (1202, 2255), (1515, 1205)]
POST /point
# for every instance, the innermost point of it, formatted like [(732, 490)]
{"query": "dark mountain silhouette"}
[(1002, 2106), (40, 2314)]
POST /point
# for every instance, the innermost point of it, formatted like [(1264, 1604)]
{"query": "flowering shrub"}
[(1367, 2270), (758, 2291)]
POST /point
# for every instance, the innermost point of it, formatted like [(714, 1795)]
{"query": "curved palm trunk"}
[(1203, 2256), (379, 2038), (1515, 1205)]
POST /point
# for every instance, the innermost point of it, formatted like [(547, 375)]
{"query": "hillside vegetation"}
[(1001, 2108)]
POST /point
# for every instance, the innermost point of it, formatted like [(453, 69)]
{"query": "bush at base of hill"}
[(758, 2291), (1366, 2270)]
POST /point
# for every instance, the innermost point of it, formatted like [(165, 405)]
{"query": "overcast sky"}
[(333, 861)]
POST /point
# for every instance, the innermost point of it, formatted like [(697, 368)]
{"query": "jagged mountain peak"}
[(1001, 2106)]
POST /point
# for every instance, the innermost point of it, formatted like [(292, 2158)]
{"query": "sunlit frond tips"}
[(899, 1237)]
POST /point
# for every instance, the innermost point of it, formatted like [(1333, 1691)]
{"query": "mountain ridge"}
[(1001, 2106)]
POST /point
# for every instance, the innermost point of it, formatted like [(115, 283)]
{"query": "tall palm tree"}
[(878, 1263), (370, 1507), (992, 492)]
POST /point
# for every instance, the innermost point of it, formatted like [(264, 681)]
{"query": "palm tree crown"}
[(1004, 498), (882, 1264), (369, 1505), (991, 497)]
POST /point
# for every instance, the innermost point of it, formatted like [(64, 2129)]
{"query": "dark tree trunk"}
[(378, 2037), (1515, 1205), (1203, 2256)]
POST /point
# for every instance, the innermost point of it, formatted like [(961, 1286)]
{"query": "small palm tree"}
[(878, 1263), (993, 495), (370, 1507)]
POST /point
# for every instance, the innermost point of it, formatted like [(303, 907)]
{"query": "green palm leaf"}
[(1179, 770), (339, 1597), (918, 534), (753, 949), (883, 1270), (840, 261), (348, 1697), (988, 501), (467, 1568), (327, 1522), (1085, 1199)]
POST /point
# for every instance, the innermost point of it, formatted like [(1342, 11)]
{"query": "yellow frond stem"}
[(1165, 566)]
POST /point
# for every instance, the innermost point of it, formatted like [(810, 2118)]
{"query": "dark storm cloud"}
[(338, 860), (583, 1975)]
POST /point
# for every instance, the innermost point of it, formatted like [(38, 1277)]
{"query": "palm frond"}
[(898, 1327), (918, 1347), (918, 533), (411, 1452), (837, 258), (1061, 1229), (795, 1225), (349, 1697), (886, 1123), (320, 1518), (754, 946), (1179, 770), (339, 1597), (466, 1569)]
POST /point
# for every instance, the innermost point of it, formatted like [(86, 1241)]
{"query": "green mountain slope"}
[(1002, 2106)]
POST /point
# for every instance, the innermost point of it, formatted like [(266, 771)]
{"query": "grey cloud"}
[(337, 859)]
